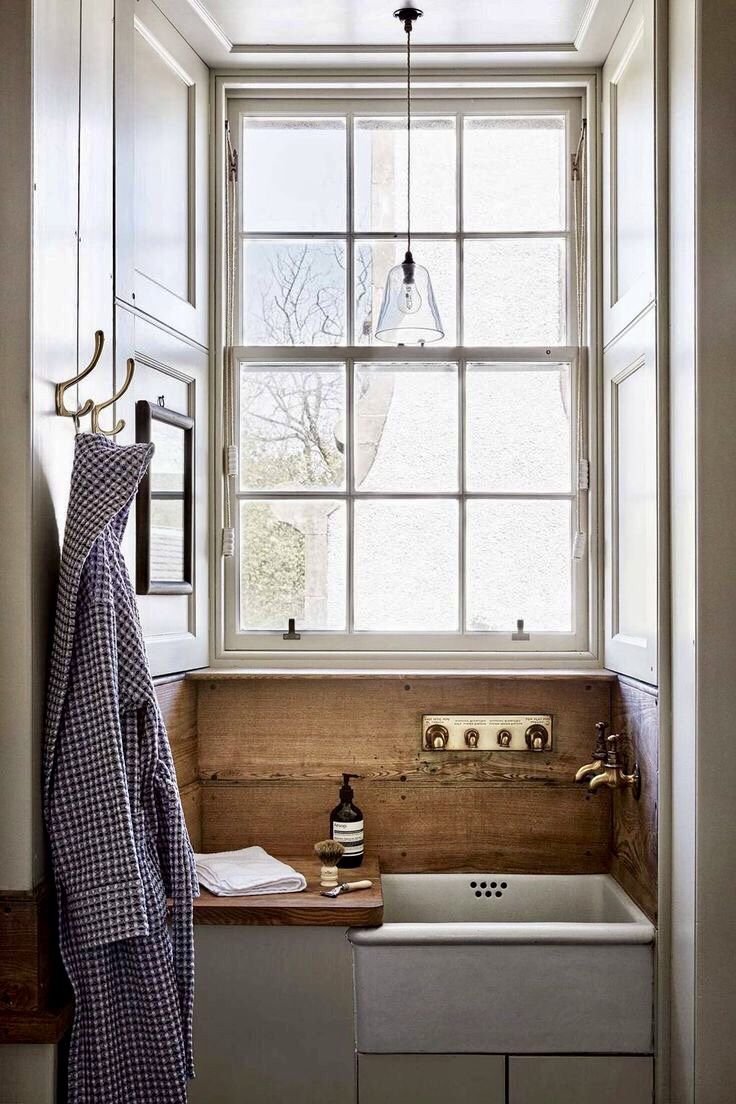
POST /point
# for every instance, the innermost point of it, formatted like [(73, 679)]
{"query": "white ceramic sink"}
[(505, 963)]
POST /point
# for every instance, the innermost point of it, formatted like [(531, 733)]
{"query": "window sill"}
[(215, 674)]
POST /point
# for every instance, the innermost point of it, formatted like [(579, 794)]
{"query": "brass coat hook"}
[(61, 388), (98, 407)]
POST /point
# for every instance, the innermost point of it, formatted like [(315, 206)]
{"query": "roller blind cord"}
[(230, 449), (582, 464)]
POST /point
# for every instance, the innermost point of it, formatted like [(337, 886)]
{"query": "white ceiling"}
[(371, 22), (304, 34)]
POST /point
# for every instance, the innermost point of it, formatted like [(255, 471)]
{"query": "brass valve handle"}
[(601, 750)]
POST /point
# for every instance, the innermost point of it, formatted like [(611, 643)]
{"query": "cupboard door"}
[(161, 151), (173, 373), (431, 1078), (628, 172), (630, 442), (574, 1080)]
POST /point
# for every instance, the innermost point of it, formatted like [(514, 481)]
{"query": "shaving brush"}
[(330, 852)]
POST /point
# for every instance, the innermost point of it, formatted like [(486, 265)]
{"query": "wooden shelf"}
[(364, 908)]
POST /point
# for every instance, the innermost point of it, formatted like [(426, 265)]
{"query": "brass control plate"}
[(493, 731)]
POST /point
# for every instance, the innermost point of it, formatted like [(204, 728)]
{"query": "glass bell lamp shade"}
[(409, 314)]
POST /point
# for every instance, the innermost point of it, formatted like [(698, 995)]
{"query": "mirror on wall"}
[(165, 503)]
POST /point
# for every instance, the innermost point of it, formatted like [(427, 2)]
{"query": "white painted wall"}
[(703, 462)]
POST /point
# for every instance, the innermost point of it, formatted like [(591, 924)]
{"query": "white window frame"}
[(575, 97)]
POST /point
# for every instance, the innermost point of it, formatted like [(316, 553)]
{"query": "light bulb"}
[(409, 298)]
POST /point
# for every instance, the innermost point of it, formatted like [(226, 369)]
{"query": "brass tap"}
[(600, 753), (613, 774)]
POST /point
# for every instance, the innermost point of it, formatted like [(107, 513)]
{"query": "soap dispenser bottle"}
[(346, 825)]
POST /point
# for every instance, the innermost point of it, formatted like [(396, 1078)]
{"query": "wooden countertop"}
[(364, 908)]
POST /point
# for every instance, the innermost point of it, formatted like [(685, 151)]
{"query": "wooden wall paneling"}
[(26, 926), (628, 172), (161, 181), (175, 626), (630, 501), (177, 699), (191, 803), (294, 729), (635, 715), (422, 826)]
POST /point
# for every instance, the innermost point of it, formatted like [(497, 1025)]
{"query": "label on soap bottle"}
[(350, 835)]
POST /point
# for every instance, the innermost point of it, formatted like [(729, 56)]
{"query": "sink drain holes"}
[(488, 889)]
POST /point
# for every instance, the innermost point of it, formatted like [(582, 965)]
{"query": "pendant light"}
[(409, 314)]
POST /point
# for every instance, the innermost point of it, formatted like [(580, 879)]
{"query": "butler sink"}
[(505, 963)]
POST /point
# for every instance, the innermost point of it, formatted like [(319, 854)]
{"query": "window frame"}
[(488, 647)]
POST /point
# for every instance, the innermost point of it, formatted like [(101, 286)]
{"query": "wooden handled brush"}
[(330, 852)]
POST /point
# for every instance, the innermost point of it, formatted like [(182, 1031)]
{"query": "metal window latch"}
[(520, 634), (292, 634)]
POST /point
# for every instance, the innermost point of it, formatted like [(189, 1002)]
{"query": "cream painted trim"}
[(587, 85)]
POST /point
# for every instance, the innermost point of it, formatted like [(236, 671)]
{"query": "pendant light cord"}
[(408, 136)]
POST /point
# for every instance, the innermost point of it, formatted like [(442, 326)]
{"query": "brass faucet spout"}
[(605, 778), (587, 770)]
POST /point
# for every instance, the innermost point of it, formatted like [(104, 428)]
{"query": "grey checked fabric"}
[(119, 844)]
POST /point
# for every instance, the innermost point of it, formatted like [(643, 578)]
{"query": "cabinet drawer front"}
[(605, 1080), (431, 1078)]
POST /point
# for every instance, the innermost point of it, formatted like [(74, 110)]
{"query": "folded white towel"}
[(246, 873)]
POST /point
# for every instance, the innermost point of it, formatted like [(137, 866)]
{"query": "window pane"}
[(406, 427), (380, 175), (517, 435), (167, 469), (514, 173), (293, 293), (373, 259), (167, 539), (515, 292), (292, 426), (518, 565), (292, 564), (406, 565), (293, 175)]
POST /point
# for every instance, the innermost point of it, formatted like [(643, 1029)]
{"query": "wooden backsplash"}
[(271, 752), (259, 761), (177, 698), (634, 714)]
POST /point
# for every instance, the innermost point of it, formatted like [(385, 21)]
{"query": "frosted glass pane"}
[(400, 442), (515, 292), (406, 565), (167, 467), (293, 174), (373, 259), (292, 564), (518, 423), (292, 426), (514, 173), (167, 539), (380, 175), (518, 565), (293, 293)]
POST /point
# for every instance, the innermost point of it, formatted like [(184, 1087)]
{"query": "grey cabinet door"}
[(431, 1078), (552, 1079)]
